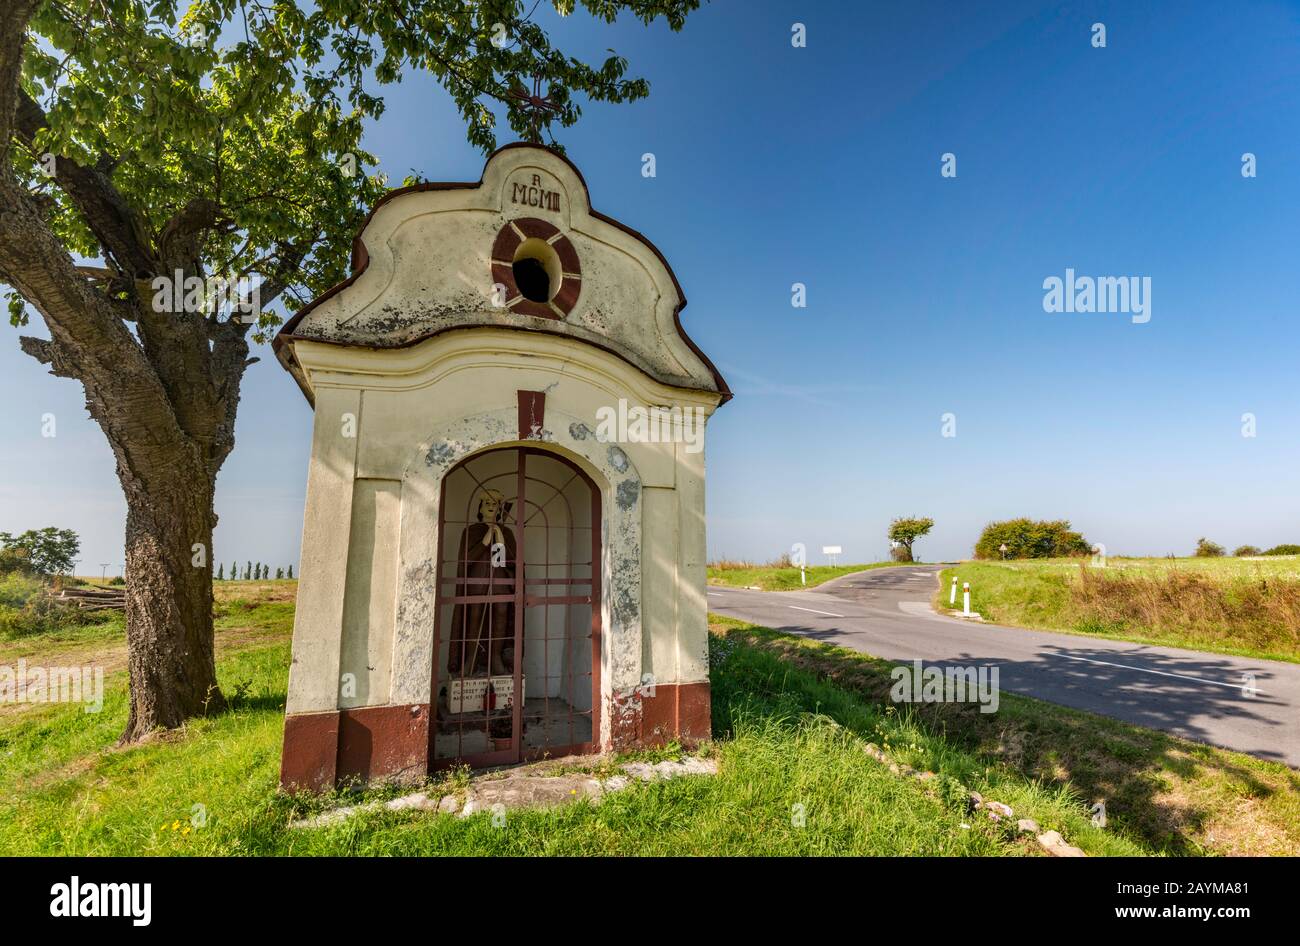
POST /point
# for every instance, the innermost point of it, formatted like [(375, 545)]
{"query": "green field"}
[(1248, 607), (783, 577), (791, 717)]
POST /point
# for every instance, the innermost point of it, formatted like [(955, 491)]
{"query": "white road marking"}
[(1217, 683), (814, 611)]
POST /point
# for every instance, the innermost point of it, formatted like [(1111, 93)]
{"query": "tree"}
[(248, 570), (289, 574), (1029, 538), (47, 551), (1284, 549), (221, 572), (1207, 549), (905, 532), (155, 154), (234, 570), (279, 572), (1242, 550)]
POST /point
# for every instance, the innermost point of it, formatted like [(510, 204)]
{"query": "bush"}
[(1207, 549), (1284, 550), (1241, 550), (1028, 538), (26, 608)]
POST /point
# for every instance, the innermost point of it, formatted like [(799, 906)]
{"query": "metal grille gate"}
[(517, 611)]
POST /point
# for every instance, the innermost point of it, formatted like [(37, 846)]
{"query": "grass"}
[(1163, 795), (782, 576), (1247, 607), (65, 788), (790, 719)]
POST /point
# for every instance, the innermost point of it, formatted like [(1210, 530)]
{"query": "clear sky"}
[(821, 165)]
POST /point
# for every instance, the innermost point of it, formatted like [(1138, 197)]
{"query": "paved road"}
[(886, 613)]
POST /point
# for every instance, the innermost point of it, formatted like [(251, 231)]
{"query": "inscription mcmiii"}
[(535, 195)]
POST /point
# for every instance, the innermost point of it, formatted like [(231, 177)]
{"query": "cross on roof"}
[(537, 104)]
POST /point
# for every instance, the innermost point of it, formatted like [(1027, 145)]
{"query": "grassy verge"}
[(783, 577), (790, 719), (1163, 795), (1246, 607), (792, 780)]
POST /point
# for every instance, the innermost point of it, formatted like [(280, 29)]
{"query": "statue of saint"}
[(482, 635)]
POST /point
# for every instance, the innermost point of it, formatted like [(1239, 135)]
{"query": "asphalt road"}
[(886, 613)]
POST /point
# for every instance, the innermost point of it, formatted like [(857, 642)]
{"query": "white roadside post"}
[(952, 595), (965, 597)]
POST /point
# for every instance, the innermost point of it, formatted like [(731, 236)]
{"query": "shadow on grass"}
[(1167, 793)]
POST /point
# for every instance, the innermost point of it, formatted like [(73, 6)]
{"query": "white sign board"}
[(468, 696), (832, 550)]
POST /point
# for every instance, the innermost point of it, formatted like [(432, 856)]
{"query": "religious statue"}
[(482, 635)]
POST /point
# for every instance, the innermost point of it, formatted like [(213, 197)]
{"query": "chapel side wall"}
[(327, 517), (692, 568), (366, 648)]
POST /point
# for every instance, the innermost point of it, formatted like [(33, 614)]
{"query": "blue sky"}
[(821, 165)]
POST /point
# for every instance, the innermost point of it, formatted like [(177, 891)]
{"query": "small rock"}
[(875, 752), (694, 765), (1028, 826), (418, 801), (448, 805), (639, 770), (926, 776), (1055, 845), (997, 811)]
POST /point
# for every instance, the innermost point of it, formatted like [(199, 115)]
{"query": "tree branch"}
[(119, 228), (14, 17)]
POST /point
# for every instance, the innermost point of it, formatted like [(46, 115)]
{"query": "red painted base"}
[(391, 743)]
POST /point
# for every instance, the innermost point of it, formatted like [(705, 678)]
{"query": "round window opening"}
[(537, 270)]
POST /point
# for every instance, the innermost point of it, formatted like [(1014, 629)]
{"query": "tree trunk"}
[(169, 603)]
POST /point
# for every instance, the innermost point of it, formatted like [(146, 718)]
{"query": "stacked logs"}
[(93, 599)]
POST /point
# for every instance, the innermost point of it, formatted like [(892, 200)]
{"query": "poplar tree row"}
[(255, 572)]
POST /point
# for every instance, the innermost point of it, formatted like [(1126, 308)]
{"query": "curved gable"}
[(437, 257)]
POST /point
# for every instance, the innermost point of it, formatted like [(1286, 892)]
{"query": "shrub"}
[(1241, 550), (1284, 550), (1028, 538), (26, 608), (1207, 549)]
